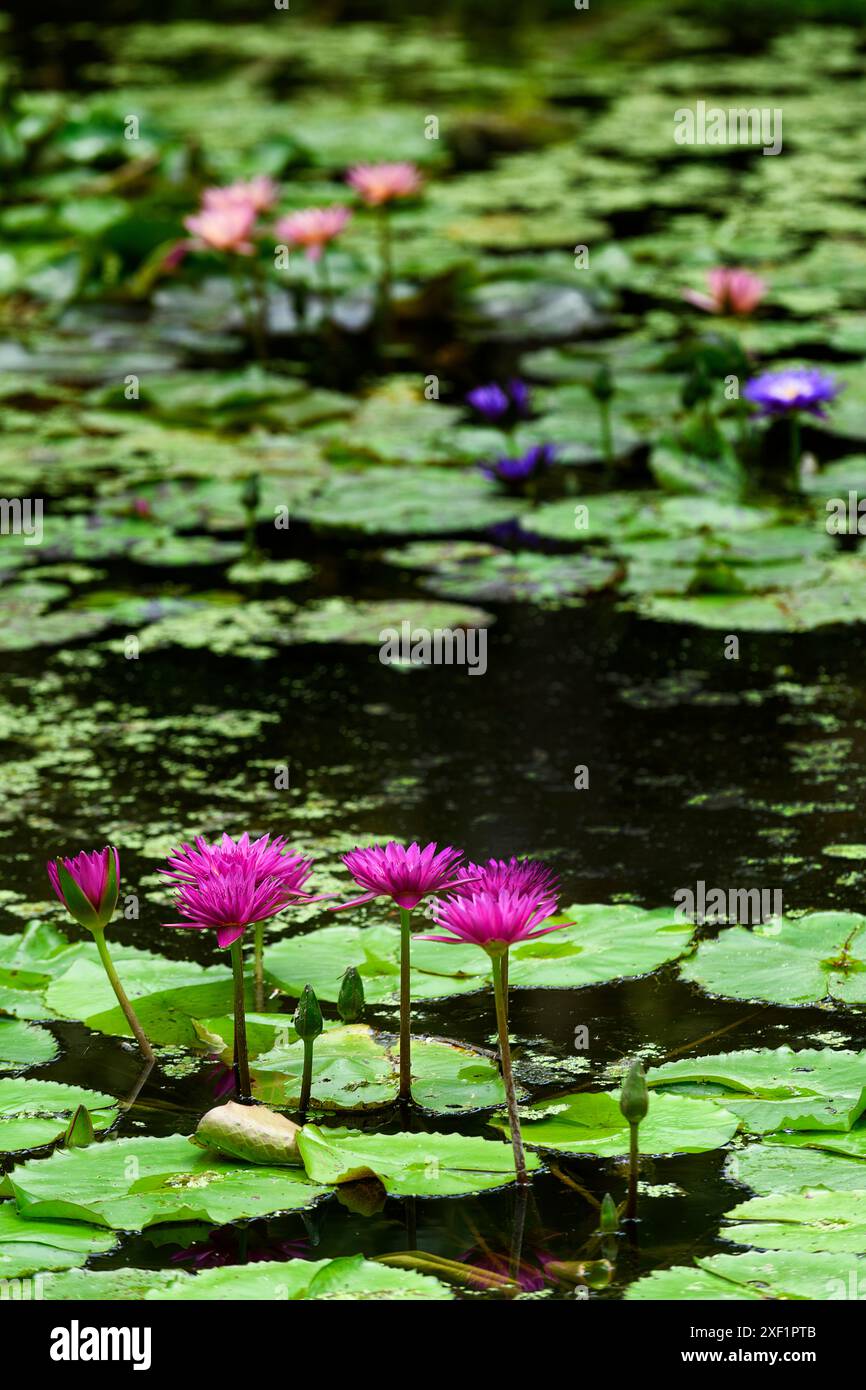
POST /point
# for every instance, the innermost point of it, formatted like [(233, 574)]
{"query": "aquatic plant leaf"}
[(592, 1123), (24, 1045), (422, 1165), (772, 1167), (776, 1274), (129, 1184), (774, 1089), (33, 1113), (604, 942), (466, 569), (814, 1220), (28, 1247), (348, 1277), (803, 960), (407, 501)]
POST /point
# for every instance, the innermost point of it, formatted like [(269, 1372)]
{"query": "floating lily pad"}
[(24, 1045), (407, 1165), (407, 501), (604, 942), (592, 1123), (355, 1068), (816, 1088), (129, 1184), (814, 1220), (465, 569), (776, 1274), (772, 1167), (33, 1113), (804, 960), (28, 1247)]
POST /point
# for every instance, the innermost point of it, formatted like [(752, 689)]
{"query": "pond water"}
[(737, 772)]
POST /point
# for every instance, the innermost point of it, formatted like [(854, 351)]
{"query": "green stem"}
[(140, 1035), (606, 435), (633, 1165), (795, 450), (507, 1077), (259, 966), (242, 1064), (307, 1078), (405, 1006)]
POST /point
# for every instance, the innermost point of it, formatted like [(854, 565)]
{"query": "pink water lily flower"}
[(225, 226), (313, 228), (87, 885), (259, 193), (494, 921), (381, 183), (730, 291), (405, 874), (517, 875), (231, 884)]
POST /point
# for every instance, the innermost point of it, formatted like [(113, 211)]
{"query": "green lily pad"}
[(355, 1068), (592, 1123), (129, 1184), (350, 1277), (470, 570), (803, 960), (777, 1274), (24, 1045), (604, 942), (408, 1165), (27, 1247), (815, 1220), (407, 501), (771, 1167), (346, 620), (33, 1113), (816, 1088)]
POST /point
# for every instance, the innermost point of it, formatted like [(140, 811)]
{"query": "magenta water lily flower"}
[(88, 884), (313, 228), (516, 875), (729, 291), (405, 874), (496, 918), (232, 884), (381, 183), (258, 193)]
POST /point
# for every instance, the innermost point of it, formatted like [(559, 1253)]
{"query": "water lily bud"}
[(608, 1220), (308, 1016), (79, 1131), (602, 386), (350, 1004), (87, 885), (249, 1132), (251, 492), (634, 1100)]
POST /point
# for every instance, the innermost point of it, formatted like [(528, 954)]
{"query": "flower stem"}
[(307, 1077), (633, 1165), (606, 435), (405, 1006), (140, 1035), (507, 1076), (795, 450), (242, 1064), (259, 967)]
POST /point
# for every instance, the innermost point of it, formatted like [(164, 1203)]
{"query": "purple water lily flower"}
[(494, 403), (522, 469), (795, 388)]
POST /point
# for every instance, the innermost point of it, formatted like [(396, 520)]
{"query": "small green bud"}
[(350, 1004), (602, 386), (79, 1131), (308, 1016), (608, 1220), (251, 492), (634, 1100)]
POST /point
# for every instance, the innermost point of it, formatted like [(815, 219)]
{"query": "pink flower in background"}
[(230, 884), (730, 292), (405, 874), (259, 193), (381, 183), (313, 228), (516, 875), (494, 921), (223, 227), (92, 895)]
